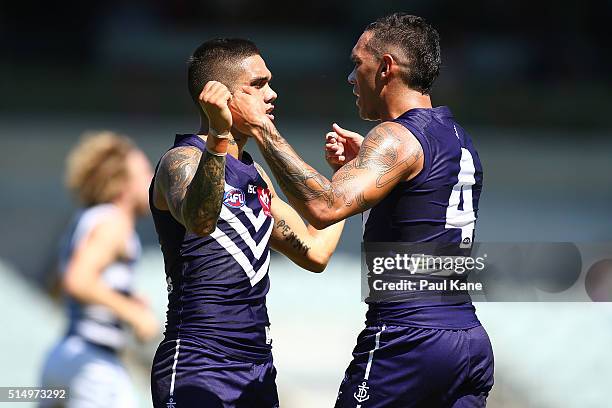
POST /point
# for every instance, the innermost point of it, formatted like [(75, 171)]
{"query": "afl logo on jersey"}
[(263, 194), (234, 198)]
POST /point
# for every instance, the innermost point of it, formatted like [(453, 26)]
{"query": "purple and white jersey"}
[(217, 284), (439, 205)]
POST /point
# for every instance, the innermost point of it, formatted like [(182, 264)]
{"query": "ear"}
[(387, 62)]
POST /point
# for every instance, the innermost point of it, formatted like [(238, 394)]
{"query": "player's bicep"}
[(176, 171), (389, 154)]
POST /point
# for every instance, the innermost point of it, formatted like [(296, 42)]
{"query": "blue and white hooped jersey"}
[(96, 323), (439, 205), (217, 284)]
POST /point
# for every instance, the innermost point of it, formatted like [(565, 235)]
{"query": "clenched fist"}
[(214, 100)]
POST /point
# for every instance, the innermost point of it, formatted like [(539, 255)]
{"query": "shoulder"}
[(177, 156), (391, 151), (179, 162), (390, 132), (391, 138), (111, 227)]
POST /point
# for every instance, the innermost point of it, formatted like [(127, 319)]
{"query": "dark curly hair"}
[(419, 42)]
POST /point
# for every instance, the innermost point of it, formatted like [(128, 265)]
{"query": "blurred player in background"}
[(415, 177), (109, 175), (217, 215)]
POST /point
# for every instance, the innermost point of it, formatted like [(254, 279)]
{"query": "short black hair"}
[(216, 60), (419, 42)]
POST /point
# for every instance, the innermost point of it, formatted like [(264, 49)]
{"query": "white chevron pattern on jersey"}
[(257, 221), (257, 249), (254, 275)]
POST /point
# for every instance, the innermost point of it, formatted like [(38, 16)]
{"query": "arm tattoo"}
[(290, 237), (380, 153), (295, 177), (194, 187)]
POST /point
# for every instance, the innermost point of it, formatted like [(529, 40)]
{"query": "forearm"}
[(305, 245), (310, 193), (325, 241), (204, 196), (97, 293)]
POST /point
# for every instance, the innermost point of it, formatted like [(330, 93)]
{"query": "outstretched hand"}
[(341, 146)]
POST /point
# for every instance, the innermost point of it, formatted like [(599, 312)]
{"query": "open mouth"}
[(269, 112)]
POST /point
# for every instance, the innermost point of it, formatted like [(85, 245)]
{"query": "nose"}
[(351, 77), (270, 95)]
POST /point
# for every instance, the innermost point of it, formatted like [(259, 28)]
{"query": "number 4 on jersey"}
[(460, 210)]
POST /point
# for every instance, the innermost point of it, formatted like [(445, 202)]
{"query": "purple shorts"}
[(185, 374), (411, 367)]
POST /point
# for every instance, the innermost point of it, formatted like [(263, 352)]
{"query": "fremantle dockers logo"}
[(362, 394), (234, 198), (466, 243), (263, 194)]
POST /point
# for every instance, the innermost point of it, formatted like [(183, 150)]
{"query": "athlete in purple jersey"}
[(217, 215), (415, 177)]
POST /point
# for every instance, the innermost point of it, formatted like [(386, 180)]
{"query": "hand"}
[(145, 325), (250, 111), (214, 100), (341, 146)]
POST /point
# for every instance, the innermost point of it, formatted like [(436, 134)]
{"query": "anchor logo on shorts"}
[(170, 403), (362, 394), (466, 243)]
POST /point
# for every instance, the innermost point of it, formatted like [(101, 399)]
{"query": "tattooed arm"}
[(389, 154), (304, 245), (190, 185)]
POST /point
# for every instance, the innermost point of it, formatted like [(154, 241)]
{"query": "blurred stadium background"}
[(530, 80)]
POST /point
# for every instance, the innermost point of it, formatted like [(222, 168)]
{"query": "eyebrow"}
[(260, 79)]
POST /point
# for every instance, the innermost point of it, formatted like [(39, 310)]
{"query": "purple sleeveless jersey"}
[(217, 284), (439, 205), (423, 353)]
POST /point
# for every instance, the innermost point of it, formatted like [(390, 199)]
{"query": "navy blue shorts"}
[(410, 367), (186, 374)]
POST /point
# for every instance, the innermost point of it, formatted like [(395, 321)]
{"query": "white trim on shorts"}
[(176, 356), (371, 356)]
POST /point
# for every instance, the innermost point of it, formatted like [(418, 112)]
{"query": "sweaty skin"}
[(190, 184), (388, 154)]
